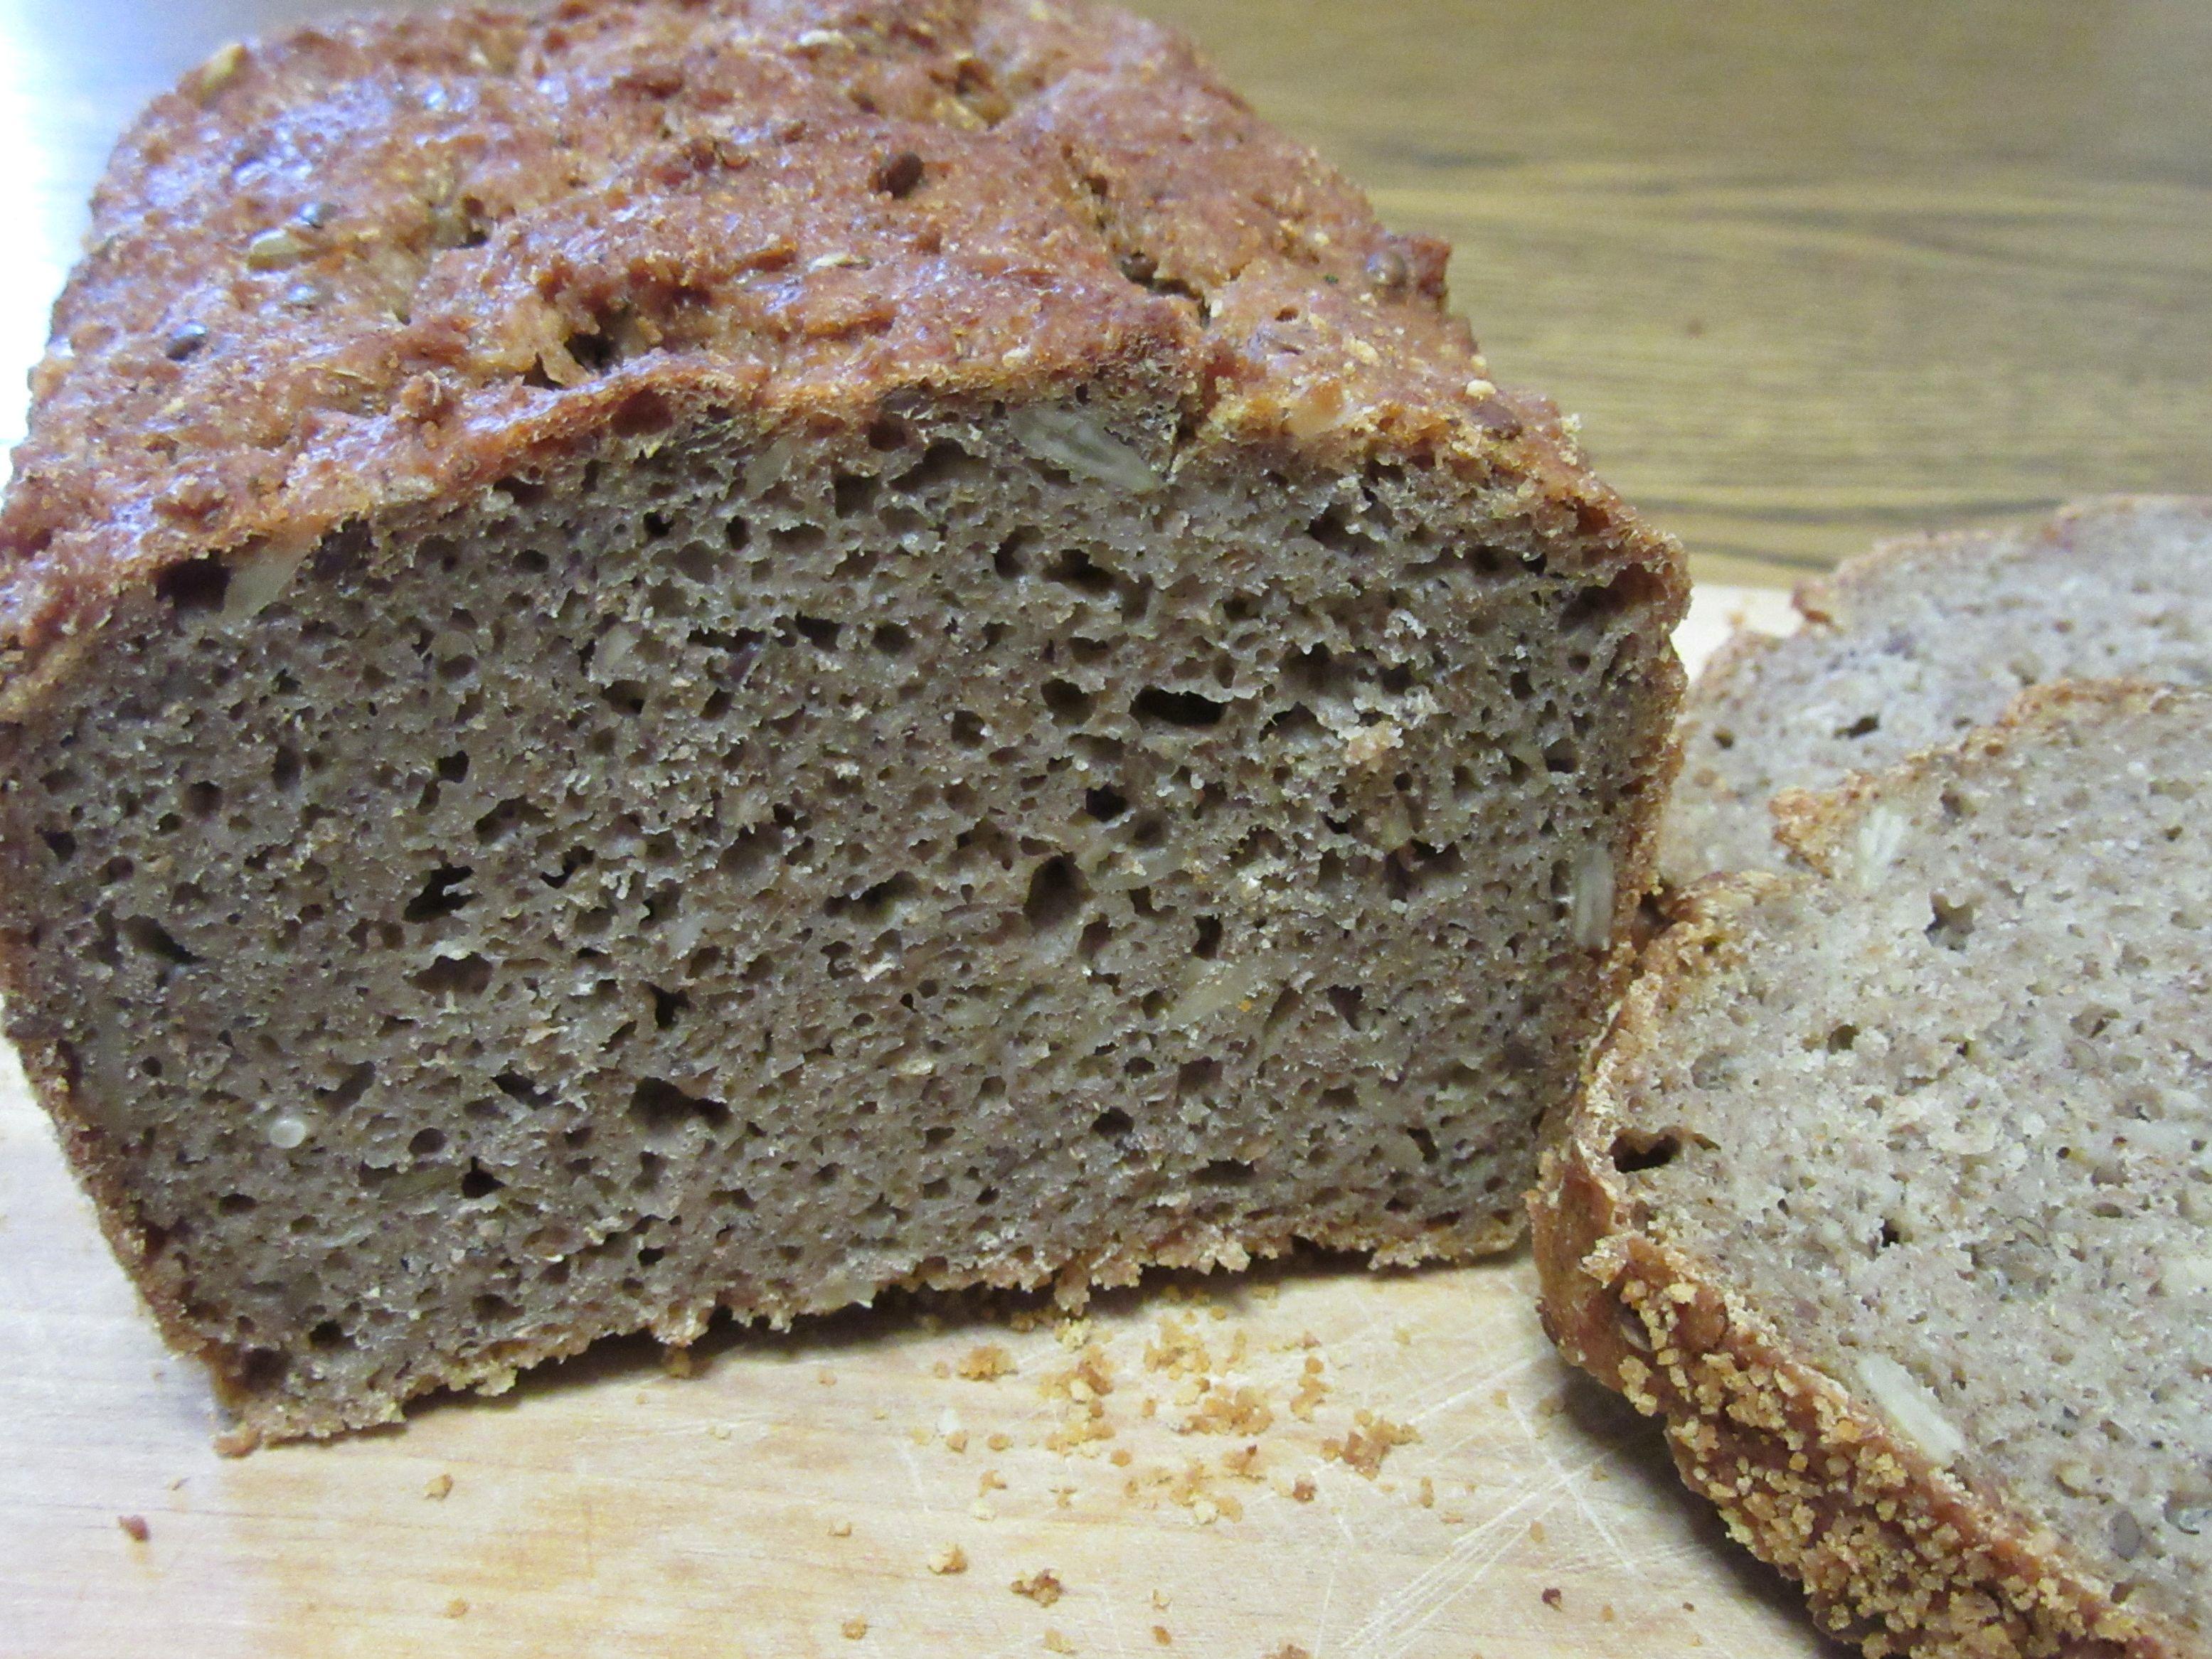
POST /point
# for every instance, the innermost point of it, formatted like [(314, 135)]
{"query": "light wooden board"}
[(796, 1483)]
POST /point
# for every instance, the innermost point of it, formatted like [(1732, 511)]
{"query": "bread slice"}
[(1889, 1191), (677, 657), (1921, 640)]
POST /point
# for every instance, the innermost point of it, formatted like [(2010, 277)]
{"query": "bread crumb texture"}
[(1886, 1193), (1914, 642)]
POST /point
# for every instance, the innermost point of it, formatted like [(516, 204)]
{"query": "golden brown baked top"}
[(373, 262)]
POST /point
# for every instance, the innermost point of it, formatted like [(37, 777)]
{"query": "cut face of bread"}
[(699, 835), (1890, 1191), (1919, 640)]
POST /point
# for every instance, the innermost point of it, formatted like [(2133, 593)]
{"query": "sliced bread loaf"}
[(675, 656), (1890, 1191), (1920, 640)]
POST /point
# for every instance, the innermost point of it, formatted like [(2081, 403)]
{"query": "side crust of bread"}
[(1896, 1554)]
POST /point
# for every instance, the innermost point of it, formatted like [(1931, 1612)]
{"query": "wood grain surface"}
[(1811, 274), (1379, 1466)]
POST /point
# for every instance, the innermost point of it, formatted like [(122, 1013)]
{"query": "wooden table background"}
[(1811, 274)]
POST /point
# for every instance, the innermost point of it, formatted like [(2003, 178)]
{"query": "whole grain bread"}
[(675, 657), (1920, 640), (1889, 1189)]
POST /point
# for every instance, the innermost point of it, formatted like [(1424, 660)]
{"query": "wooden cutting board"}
[(1377, 1466)]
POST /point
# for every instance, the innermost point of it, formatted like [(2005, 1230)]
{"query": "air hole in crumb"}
[(479, 1182), (1225, 1172), (1891, 1234), (1841, 1040), (943, 463), (237, 1204), (1077, 569), (489, 1309), (1196, 1076), (1333, 531), (668, 1006), (1423, 1142), (427, 1143), (1865, 725), (1346, 1001), (880, 904), (662, 1109), (1208, 945), (1634, 1149), (1159, 705), (890, 639), (1070, 703), (1112, 1124), (349, 1088), (852, 494), (60, 844), (515, 1086), (1057, 891), (146, 935), (195, 585), (329, 1334), (625, 697), (575, 859), (465, 976), (1105, 804), (1951, 925), (440, 894), (967, 729), (1632, 588)]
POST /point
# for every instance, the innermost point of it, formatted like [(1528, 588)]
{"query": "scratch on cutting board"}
[(1405, 1611), (914, 1476), (1575, 1489), (1489, 1379)]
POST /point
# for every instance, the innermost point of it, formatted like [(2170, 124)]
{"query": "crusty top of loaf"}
[(375, 262)]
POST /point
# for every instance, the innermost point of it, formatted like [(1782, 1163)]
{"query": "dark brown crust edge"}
[(1895, 1554)]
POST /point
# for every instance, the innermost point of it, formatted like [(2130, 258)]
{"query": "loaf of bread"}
[(1921, 640), (676, 657), (1890, 1191)]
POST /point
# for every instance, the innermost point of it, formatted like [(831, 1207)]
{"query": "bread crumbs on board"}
[(1372, 1438), (949, 1561), (134, 1528), (986, 1363), (1042, 1587)]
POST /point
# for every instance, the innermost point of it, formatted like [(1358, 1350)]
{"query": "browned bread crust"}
[(1897, 1554), (380, 261)]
